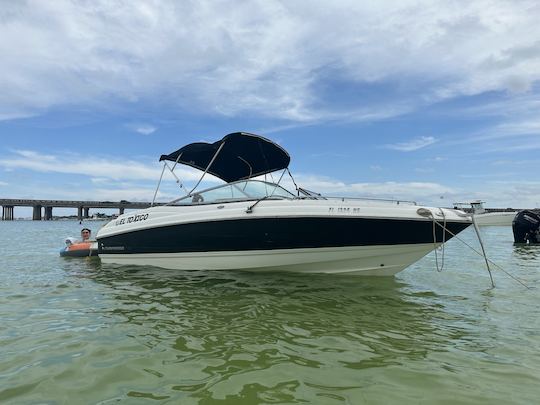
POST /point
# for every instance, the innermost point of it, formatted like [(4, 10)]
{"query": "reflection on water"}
[(527, 252), (263, 331)]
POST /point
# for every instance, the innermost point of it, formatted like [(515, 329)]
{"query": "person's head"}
[(85, 233)]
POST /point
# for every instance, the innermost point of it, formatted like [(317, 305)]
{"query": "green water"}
[(74, 331)]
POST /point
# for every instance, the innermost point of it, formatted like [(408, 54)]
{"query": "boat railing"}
[(305, 194), (189, 202), (387, 200), (185, 202)]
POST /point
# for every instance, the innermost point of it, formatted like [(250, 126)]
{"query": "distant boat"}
[(485, 218)]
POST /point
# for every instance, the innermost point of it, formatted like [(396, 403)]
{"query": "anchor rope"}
[(442, 247), (482, 247), (491, 261), (427, 213)]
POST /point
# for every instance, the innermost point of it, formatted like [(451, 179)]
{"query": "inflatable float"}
[(75, 248)]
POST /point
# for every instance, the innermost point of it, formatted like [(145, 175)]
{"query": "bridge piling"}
[(36, 213), (48, 213), (7, 213)]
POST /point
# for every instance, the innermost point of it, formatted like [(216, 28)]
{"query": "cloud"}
[(528, 126), (95, 167), (502, 194), (497, 193), (34, 155), (268, 58), (414, 144), (410, 191), (514, 163), (143, 129), (88, 193), (511, 124), (516, 134), (104, 179), (129, 193), (146, 130), (3, 183)]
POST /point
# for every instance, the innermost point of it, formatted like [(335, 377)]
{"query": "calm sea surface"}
[(75, 331)]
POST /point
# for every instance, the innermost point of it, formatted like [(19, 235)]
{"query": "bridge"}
[(45, 207)]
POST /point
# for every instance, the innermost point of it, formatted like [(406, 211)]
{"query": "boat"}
[(526, 227), (252, 222), (75, 248), (483, 217)]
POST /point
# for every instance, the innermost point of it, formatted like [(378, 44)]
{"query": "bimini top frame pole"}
[(165, 165), (158, 184), (207, 167)]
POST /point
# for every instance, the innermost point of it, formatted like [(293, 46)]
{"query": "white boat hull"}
[(309, 236), (363, 260), (495, 218)]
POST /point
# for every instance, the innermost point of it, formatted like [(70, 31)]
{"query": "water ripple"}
[(103, 334)]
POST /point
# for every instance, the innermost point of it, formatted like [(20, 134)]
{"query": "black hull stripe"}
[(275, 233)]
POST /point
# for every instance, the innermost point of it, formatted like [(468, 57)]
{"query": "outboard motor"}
[(526, 227)]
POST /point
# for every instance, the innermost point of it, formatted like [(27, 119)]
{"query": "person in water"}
[(85, 234)]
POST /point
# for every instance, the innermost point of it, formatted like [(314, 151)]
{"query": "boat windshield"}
[(238, 190)]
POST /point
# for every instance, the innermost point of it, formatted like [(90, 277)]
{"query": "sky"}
[(431, 101)]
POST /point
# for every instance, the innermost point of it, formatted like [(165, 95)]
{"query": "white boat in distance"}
[(485, 218), (254, 224)]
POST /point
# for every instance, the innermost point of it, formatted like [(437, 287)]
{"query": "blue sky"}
[(423, 100)]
